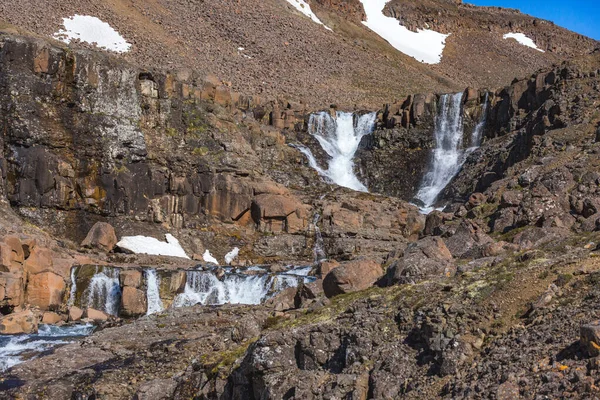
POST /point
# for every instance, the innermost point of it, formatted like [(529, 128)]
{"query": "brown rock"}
[(11, 289), (273, 206), (327, 266), (476, 199), (429, 257), (131, 277), (102, 236), (284, 300), (75, 313), (590, 338), (18, 323), (96, 315), (40, 260), (352, 276), (45, 290), (51, 318), (134, 302)]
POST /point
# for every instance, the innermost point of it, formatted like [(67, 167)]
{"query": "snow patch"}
[(304, 8), (229, 257), (207, 257), (152, 246), (424, 45), (523, 39), (94, 31)]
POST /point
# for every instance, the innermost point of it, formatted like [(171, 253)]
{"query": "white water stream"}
[(152, 292), (104, 291), (449, 154), (339, 137)]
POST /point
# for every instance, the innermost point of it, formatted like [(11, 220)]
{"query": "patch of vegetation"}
[(200, 151), (225, 360), (171, 132)]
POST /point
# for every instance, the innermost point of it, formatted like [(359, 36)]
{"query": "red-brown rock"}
[(18, 323), (352, 276), (102, 236), (134, 302), (75, 313), (51, 318), (45, 290), (96, 315)]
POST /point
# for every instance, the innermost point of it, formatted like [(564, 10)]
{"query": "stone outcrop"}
[(133, 302)]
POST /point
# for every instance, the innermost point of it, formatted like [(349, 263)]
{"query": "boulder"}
[(352, 276), (11, 253), (51, 318), (40, 260), (327, 266), (96, 315), (102, 236), (75, 313), (590, 338), (429, 257), (45, 290), (284, 300), (133, 302), (19, 323)]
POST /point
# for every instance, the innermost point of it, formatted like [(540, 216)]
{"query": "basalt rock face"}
[(90, 138)]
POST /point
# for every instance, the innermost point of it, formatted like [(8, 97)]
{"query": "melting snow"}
[(304, 8), (92, 30), (209, 258), (424, 45), (523, 39), (229, 257), (152, 246)]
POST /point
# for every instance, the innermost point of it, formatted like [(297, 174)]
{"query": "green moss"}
[(200, 151), (225, 360), (171, 132)]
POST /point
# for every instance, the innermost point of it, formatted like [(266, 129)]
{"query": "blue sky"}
[(581, 16)]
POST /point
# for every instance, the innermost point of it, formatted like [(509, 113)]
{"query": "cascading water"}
[(478, 131), (73, 290), (104, 291), (339, 137), (13, 348), (449, 153), (152, 292), (203, 287)]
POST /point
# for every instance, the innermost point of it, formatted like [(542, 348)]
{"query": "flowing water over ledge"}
[(450, 152), (339, 137), (101, 287)]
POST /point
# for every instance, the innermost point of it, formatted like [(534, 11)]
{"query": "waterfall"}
[(203, 287), (104, 291), (152, 292), (478, 131), (339, 137), (449, 153), (73, 290)]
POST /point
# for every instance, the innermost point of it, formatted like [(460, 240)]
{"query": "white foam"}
[(339, 138), (104, 291), (523, 39), (232, 255), (207, 257), (304, 8), (152, 246), (155, 304), (94, 31), (424, 45)]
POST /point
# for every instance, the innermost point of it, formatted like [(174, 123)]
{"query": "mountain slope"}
[(286, 54)]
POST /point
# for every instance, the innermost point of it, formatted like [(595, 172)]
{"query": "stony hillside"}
[(175, 201), (286, 54)]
